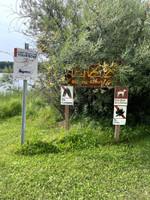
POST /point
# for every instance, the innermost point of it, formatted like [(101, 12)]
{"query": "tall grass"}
[(85, 131), (10, 105), (81, 135)]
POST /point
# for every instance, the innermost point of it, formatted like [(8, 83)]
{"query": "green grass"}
[(85, 163)]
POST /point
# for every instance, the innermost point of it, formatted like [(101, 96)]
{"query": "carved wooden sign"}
[(99, 75)]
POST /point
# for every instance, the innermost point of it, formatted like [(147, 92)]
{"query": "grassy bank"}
[(85, 163)]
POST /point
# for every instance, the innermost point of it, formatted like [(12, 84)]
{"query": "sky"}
[(9, 39)]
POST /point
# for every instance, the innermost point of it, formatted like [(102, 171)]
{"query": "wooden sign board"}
[(95, 76)]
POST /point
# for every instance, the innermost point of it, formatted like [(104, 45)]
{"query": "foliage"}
[(6, 81), (9, 106), (6, 67), (82, 32), (13, 109), (96, 102), (48, 86)]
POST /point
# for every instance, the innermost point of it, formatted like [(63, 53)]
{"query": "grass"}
[(85, 163)]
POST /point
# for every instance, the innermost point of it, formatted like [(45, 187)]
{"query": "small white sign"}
[(25, 64), (120, 101), (67, 95), (120, 113), (119, 121)]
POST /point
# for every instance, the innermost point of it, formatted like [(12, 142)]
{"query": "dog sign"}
[(121, 96), (67, 95)]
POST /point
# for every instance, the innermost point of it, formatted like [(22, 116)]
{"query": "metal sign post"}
[(25, 68), (24, 99), (23, 111)]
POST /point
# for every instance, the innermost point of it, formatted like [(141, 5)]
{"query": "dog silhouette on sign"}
[(119, 112), (67, 91), (121, 93)]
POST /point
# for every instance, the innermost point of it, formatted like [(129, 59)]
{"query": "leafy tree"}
[(79, 32), (6, 81)]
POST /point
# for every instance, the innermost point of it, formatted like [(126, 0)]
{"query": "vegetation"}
[(85, 163), (6, 67), (71, 33), (7, 81)]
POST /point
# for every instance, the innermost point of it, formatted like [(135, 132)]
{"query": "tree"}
[(6, 67), (6, 81), (79, 32)]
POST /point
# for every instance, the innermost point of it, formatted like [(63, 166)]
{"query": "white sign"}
[(66, 95), (120, 113), (25, 64), (121, 96), (120, 101), (119, 121)]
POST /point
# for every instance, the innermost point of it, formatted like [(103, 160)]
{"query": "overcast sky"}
[(9, 39)]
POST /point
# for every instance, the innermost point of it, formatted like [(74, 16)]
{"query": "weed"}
[(36, 148)]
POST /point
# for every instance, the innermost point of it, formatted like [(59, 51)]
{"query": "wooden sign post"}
[(67, 99), (67, 117), (120, 108), (117, 131)]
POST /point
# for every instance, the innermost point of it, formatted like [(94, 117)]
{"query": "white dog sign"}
[(121, 96)]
